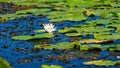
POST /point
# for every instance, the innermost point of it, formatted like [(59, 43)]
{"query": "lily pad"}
[(4, 64), (64, 45), (61, 16), (72, 34), (22, 37), (118, 29), (109, 15), (67, 30), (101, 63), (84, 47), (84, 30), (114, 25), (106, 36), (92, 41), (37, 31), (118, 47), (92, 62), (43, 35), (50, 66), (100, 21), (34, 11)]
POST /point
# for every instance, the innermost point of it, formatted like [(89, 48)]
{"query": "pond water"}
[(87, 33), (22, 54)]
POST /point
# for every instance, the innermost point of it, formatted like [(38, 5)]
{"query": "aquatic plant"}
[(60, 46), (51, 66), (4, 64), (118, 57), (50, 28), (28, 37), (102, 63)]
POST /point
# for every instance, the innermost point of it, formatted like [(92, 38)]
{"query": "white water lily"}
[(50, 28), (118, 57)]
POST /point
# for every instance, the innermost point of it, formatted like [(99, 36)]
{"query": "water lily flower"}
[(50, 28), (118, 57)]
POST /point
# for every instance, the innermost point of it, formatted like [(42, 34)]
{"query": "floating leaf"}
[(95, 46), (64, 45), (92, 41), (92, 62), (106, 47), (51, 66), (118, 29), (106, 36), (84, 47), (39, 31), (4, 64), (22, 37), (118, 47), (67, 30), (72, 34), (100, 63), (100, 21), (34, 11), (43, 35), (109, 15), (114, 25), (74, 16)]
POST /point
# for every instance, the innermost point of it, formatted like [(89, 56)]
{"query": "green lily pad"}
[(51, 66), (10, 16), (93, 29), (61, 16), (96, 29), (84, 30), (109, 15), (84, 47), (101, 63), (22, 37), (114, 25), (106, 47), (100, 21), (106, 36), (91, 41), (34, 11), (117, 47), (64, 45), (118, 29), (95, 45), (37, 31), (4, 64), (43, 35), (67, 30), (89, 47), (72, 34)]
